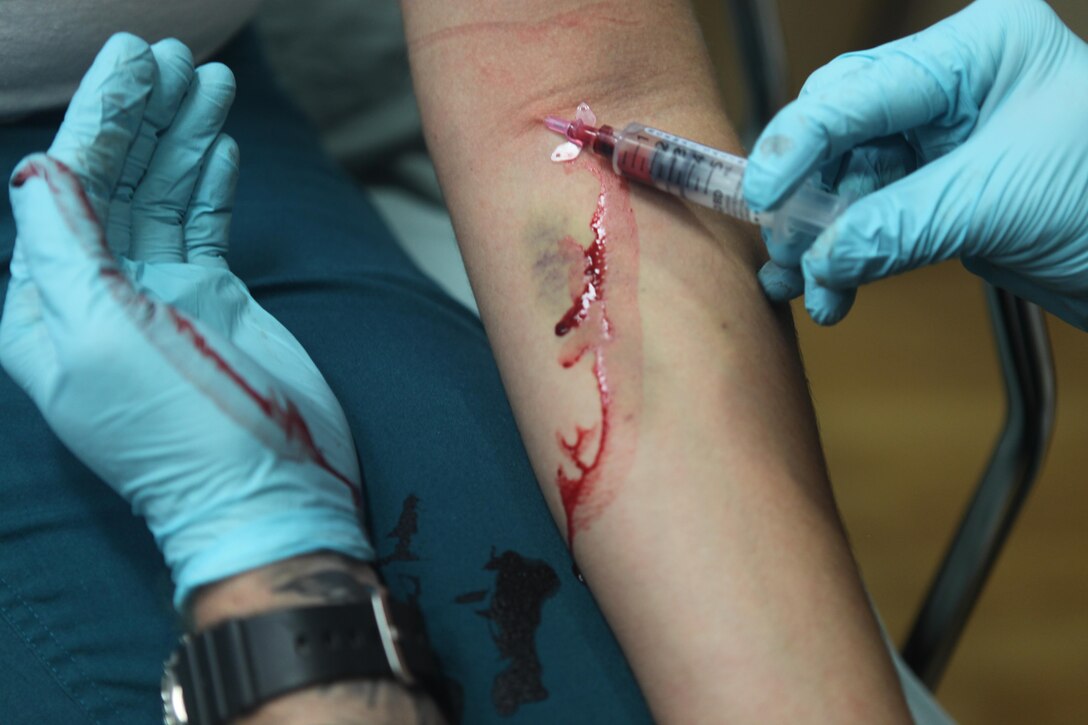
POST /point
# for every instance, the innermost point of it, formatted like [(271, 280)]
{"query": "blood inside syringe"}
[(693, 171), (685, 168)]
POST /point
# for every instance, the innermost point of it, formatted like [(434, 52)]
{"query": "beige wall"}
[(817, 32)]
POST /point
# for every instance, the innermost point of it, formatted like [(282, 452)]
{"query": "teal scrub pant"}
[(454, 509)]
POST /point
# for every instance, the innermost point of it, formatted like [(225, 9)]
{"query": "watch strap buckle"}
[(390, 636)]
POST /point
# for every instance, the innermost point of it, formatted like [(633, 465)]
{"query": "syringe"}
[(695, 172)]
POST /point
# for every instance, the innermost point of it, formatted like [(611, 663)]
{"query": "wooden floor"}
[(909, 397)]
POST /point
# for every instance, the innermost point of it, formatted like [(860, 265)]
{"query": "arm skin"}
[(715, 549), (322, 578)]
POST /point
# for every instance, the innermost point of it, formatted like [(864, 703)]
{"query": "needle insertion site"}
[(691, 170)]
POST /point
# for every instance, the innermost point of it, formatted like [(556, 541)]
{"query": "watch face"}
[(173, 704)]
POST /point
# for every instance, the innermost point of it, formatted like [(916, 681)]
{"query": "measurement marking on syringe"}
[(696, 160), (696, 172)]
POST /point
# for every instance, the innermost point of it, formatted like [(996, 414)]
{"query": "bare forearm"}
[(321, 578), (671, 432)]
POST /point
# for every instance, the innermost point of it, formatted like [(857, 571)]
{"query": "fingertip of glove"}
[(59, 197), (227, 147), (128, 50), (25, 170), (216, 78), (174, 55), (827, 307), (780, 284), (171, 47), (824, 316), (41, 166), (125, 44)]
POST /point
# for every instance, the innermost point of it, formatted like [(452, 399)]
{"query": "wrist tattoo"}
[(328, 586)]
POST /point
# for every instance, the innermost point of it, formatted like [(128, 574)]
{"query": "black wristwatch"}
[(233, 668)]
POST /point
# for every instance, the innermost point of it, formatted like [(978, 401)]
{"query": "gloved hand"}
[(157, 368), (972, 137)]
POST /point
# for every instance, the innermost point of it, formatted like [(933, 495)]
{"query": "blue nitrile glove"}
[(991, 107), (157, 368)]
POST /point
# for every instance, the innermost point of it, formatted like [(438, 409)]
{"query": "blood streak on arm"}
[(603, 324)]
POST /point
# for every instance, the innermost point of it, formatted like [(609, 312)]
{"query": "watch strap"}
[(236, 666)]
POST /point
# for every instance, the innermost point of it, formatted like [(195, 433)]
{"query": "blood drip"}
[(593, 274), (589, 309)]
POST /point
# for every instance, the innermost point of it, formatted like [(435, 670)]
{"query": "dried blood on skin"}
[(143, 309), (591, 331)]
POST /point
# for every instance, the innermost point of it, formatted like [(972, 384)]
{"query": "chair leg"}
[(1028, 369)]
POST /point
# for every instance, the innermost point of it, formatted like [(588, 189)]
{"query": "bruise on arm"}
[(528, 257)]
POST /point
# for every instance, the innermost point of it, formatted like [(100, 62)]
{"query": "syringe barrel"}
[(713, 178), (687, 169)]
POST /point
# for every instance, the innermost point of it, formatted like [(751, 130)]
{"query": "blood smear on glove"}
[(146, 313)]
